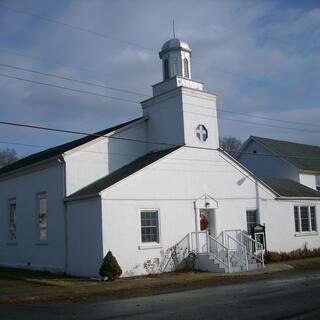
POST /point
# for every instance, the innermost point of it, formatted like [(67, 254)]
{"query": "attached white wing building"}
[(142, 187)]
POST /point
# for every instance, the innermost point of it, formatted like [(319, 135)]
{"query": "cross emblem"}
[(202, 132)]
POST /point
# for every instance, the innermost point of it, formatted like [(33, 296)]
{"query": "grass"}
[(22, 286), (41, 277)]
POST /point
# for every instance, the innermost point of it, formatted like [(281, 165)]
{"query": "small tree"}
[(110, 267), (7, 156), (230, 144)]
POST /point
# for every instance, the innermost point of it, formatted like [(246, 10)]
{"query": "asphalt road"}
[(282, 297)]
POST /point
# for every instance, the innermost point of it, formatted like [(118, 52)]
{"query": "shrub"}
[(272, 256), (110, 267)]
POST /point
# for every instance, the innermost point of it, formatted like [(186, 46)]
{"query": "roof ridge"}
[(59, 149), (285, 141), (93, 188)]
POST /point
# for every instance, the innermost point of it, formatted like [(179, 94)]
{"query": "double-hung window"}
[(305, 218), (251, 220), (12, 220), (42, 217), (149, 226)]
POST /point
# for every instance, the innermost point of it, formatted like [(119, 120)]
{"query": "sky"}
[(261, 58)]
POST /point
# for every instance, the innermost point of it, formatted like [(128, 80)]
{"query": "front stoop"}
[(205, 262)]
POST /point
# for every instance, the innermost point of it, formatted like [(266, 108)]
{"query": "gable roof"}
[(105, 182), (302, 156), (60, 149), (290, 188)]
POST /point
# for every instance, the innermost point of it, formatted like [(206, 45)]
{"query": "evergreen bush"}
[(110, 267)]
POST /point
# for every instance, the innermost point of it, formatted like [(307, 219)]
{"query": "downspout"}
[(64, 194), (196, 228)]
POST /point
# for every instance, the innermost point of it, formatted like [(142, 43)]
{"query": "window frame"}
[(151, 244), (40, 196), (186, 71), (297, 215), (166, 69), (12, 201), (256, 218)]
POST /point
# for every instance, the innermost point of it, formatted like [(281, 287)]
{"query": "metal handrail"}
[(244, 258), (255, 248), (215, 253)]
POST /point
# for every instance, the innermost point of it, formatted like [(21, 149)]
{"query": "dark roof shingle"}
[(290, 188), (118, 175), (303, 156), (58, 150)]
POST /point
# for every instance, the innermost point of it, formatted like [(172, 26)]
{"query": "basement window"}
[(305, 218)]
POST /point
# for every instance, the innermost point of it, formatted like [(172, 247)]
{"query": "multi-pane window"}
[(305, 218), (12, 220), (251, 219), (42, 217), (149, 226)]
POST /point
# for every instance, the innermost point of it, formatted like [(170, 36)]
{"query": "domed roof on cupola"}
[(174, 44)]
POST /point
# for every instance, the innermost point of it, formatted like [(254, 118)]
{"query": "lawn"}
[(21, 286), (45, 278)]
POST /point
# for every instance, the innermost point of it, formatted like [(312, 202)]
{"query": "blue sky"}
[(261, 58)]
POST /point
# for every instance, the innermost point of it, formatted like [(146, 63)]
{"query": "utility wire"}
[(67, 88), (74, 27), (137, 93), (95, 33), (58, 63), (72, 79), (137, 102), (97, 135)]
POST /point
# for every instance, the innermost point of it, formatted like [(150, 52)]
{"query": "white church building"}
[(152, 190)]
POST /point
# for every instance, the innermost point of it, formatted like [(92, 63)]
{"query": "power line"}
[(67, 88), (96, 135), (74, 27), (137, 102), (267, 118), (134, 140), (72, 79), (55, 63), (95, 33), (270, 125)]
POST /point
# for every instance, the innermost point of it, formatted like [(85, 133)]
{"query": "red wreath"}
[(203, 222)]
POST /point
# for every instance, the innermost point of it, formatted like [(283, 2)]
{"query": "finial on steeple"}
[(173, 29)]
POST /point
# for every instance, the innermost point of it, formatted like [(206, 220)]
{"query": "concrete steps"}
[(205, 262)]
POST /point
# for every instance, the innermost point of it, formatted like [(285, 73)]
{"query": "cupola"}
[(175, 55)]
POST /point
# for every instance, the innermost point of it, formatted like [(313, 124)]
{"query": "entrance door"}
[(209, 216)]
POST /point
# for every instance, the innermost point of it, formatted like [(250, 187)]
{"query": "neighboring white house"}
[(142, 187), (282, 159)]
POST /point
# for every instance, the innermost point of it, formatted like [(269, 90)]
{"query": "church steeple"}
[(180, 112), (175, 55), (176, 67)]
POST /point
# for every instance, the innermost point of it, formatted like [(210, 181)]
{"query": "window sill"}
[(151, 245), (306, 234), (41, 243), (12, 243)]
